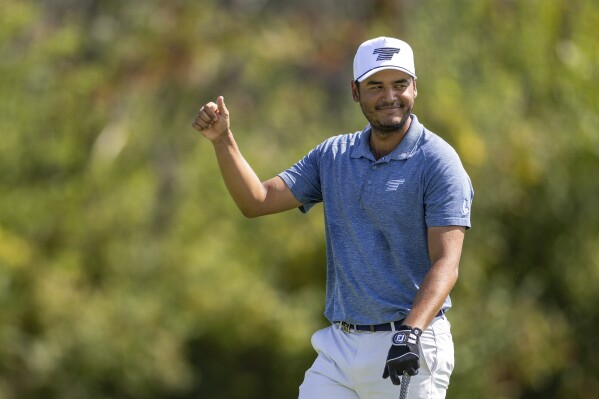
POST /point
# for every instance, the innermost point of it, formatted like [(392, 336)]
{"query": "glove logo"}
[(399, 338)]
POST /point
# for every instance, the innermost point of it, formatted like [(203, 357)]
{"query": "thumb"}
[(222, 108)]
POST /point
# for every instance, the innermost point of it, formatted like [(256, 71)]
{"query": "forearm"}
[(241, 181), (432, 295), (445, 250)]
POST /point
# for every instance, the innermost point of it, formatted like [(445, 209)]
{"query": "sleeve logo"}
[(466, 207)]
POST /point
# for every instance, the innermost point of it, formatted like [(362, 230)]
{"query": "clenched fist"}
[(212, 120), (404, 355)]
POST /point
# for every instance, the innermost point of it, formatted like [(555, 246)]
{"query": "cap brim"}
[(380, 68)]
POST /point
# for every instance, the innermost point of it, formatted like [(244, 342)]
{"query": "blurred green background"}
[(127, 272)]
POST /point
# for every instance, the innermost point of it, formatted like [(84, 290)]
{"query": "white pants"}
[(350, 365)]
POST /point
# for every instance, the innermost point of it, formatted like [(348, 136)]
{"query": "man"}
[(396, 206)]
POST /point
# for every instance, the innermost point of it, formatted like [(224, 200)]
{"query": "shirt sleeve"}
[(303, 179), (448, 191)]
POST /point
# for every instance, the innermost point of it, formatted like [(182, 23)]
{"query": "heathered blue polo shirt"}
[(376, 217)]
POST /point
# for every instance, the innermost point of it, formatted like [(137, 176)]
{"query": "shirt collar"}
[(404, 150)]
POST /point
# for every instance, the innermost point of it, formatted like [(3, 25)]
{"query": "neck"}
[(382, 143)]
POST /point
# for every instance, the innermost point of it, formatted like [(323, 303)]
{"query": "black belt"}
[(391, 326)]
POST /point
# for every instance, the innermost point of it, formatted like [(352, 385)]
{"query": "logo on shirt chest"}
[(393, 185)]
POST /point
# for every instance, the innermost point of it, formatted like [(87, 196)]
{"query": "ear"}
[(355, 91), (415, 89)]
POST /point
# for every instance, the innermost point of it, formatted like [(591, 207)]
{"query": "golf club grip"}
[(405, 384)]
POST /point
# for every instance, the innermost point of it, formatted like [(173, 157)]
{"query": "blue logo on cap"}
[(385, 53)]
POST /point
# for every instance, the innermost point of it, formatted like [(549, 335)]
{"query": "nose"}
[(390, 94)]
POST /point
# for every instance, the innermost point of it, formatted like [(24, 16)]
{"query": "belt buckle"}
[(345, 326)]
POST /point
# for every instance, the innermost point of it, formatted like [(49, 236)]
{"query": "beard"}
[(389, 128), (392, 127)]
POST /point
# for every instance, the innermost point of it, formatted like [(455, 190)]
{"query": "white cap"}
[(383, 53)]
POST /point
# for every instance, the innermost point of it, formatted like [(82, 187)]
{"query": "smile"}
[(388, 107)]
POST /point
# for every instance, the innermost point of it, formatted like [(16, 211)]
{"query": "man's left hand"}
[(404, 354)]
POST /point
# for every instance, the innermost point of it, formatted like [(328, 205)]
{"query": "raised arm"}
[(252, 196)]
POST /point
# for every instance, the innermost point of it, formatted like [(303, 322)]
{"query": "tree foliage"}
[(127, 272)]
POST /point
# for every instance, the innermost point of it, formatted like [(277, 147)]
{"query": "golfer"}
[(397, 203)]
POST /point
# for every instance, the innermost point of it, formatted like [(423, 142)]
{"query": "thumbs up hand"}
[(212, 120)]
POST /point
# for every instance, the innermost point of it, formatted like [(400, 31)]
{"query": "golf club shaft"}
[(405, 384)]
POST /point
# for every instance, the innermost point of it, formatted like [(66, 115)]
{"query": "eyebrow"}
[(376, 82)]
